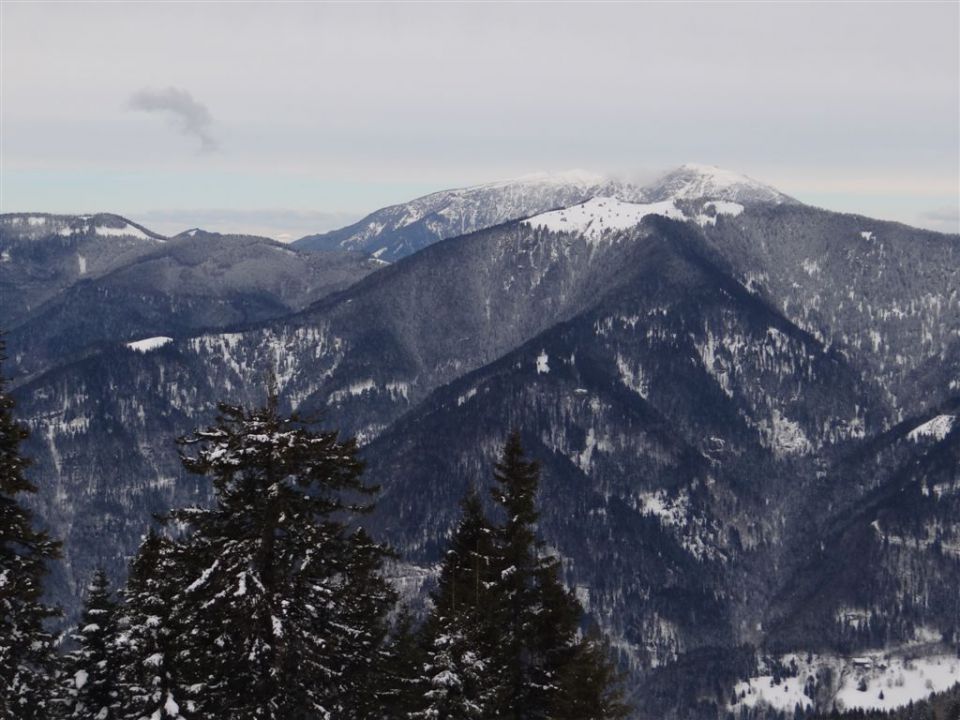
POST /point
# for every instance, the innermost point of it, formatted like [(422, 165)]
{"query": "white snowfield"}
[(148, 344), (872, 681), (897, 682), (125, 231), (713, 209), (603, 214), (600, 215), (937, 428)]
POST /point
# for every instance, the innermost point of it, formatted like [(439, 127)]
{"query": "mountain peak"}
[(695, 181)]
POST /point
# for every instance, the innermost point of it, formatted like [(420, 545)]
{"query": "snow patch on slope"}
[(635, 380), (148, 344), (353, 390), (600, 215), (784, 436), (937, 428), (543, 364), (715, 208), (125, 231), (669, 510)]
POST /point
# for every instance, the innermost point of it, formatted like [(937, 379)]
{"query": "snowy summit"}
[(707, 182)]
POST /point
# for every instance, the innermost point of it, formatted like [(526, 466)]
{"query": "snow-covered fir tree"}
[(92, 668), (149, 634), (536, 617), (285, 604), (456, 674), (590, 684), (361, 632), (459, 636), (503, 637), (399, 687), (26, 647)]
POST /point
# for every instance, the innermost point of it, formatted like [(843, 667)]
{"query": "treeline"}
[(271, 604)]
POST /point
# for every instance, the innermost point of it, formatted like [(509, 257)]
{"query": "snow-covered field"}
[(602, 214), (881, 680), (896, 682)]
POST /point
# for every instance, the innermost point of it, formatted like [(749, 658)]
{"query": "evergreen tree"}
[(26, 654), (400, 690), (456, 684), (149, 630), (537, 618), (467, 572), (541, 662), (459, 635), (92, 668), (502, 640), (590, 685), (286, 605), (363, 652)]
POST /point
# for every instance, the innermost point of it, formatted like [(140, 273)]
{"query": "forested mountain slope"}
[(69, 290), (748, 429)]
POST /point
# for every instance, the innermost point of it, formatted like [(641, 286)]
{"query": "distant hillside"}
[(69, 285)]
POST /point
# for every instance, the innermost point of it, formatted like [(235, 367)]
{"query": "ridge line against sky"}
[(289, 119)]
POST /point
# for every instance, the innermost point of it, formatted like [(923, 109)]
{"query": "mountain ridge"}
[(398, 230)]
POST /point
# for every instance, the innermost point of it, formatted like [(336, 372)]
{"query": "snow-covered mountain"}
[(41, 254), (68, 284), (400, 230), (707, 182), (745, 408), (39, 226)]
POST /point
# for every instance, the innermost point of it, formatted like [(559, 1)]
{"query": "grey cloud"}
[(191, 117)]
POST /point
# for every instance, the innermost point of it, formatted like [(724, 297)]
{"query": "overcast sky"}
[(285, 119)]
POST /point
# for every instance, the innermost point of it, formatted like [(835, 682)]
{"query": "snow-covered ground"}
[(762, 691), (937, 428), (602, 214), (711, 210), (895, 682), (148, 344), (125, 231), (879, 680)]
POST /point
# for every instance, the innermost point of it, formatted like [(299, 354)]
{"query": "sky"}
[(285, 119)]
